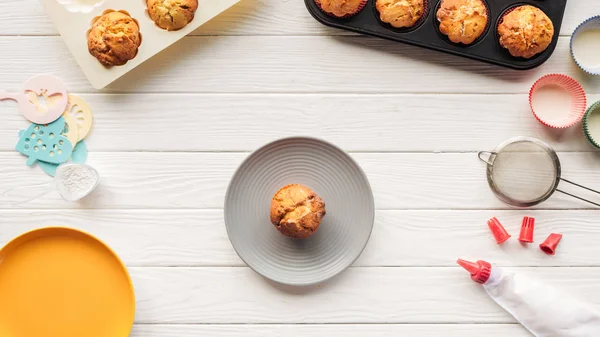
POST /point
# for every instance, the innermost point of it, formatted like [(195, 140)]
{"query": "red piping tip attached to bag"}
[(527, 229), (549, 246), (499, 232), (480, 271)]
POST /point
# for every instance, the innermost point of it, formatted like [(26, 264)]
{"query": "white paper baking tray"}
[(74, 26)]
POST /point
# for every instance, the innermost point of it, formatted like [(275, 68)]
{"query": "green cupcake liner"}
[(594, 108)]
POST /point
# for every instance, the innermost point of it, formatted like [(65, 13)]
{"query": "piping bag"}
[(543, 310)]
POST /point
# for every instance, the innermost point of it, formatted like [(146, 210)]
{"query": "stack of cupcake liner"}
[(546, 105), (545, 95), (585, 46)]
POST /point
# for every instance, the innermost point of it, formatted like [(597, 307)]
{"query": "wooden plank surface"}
[(197, 238), (373, 122), (288, 64), (338, 330), (360, 295), (178, 180)]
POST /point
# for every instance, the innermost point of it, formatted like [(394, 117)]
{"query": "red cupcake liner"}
[(425, 14), (570, 86), (360, 8)]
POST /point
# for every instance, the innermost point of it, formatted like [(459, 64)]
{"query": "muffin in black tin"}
[(401, 13), (463, 21), (341, 8)]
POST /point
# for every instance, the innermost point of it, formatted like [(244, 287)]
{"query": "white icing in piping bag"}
[(543, 310)]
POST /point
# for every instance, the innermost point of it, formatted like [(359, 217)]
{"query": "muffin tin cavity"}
[(426, 32)]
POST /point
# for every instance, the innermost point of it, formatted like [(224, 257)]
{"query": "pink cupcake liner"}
[(360, 8), (558, 119)]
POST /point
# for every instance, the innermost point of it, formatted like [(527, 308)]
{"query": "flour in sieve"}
[(76, 181)]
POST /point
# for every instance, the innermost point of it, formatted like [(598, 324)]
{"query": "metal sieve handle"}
[(489, 156), (580, 186)]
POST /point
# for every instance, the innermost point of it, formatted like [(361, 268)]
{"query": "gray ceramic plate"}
[(328, 171)]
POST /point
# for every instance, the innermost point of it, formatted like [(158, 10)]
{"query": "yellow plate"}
[(60, 282)]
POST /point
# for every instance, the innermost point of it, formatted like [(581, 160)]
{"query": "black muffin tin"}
[(426, 32)]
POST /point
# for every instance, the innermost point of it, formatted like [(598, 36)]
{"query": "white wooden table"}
[(168, 137)]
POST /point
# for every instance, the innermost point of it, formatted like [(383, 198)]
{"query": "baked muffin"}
[(296, 211), (525, 31), (400, 13), (172, 14), (463, 21), (341, 8), (114, 38)]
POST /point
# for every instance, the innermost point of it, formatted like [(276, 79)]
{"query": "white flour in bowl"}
[(76, 181)]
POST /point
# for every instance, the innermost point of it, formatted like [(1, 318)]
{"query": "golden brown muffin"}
[(526, 31), (341, 8), (463, 21), (400, 13), (296, 211), (172, 14), (114, 38)]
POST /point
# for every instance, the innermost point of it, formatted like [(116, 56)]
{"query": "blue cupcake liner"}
[(591, 23)]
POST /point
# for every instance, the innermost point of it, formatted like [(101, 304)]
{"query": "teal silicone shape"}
[(45, 143), (79, 156)]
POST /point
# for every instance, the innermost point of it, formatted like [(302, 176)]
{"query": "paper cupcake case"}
[(588, 25), (426, 34), (570, 87), (73, 23), (590, 130)]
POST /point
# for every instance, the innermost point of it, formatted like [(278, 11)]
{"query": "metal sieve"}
[(525, 171)]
